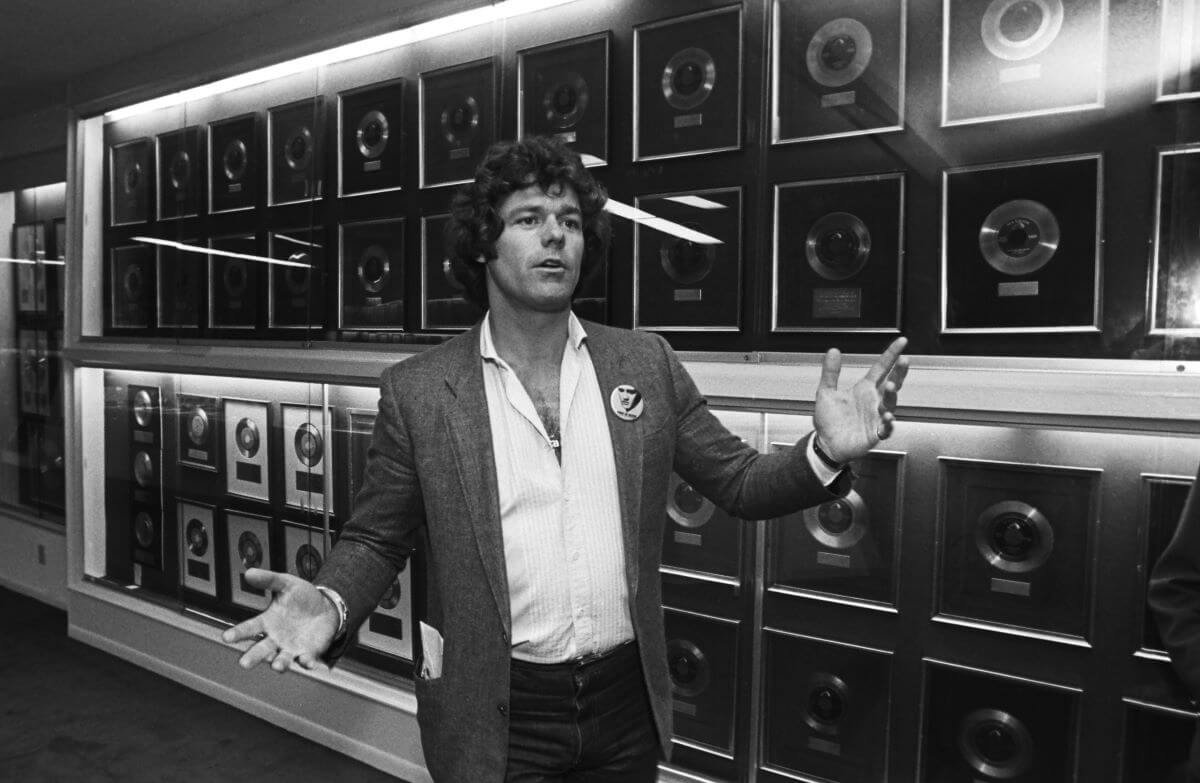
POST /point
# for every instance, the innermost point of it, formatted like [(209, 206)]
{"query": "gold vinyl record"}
[(144, 530), (131, 178), (298, 148), (143, 408), (1019, 237), (1020, 29), (565, 101), (234, 160), (197, 537), (372, 134), (460, 121), (391, 597), (246, 437), (838, 245), (198, 426), (686, 262), (839, 523), (250, 550), (828, 698), (687, 506), (309, 444), (1014, 536), (839, 52), (688, 79), (308, 561), (995, 744), (689, 668), (235, 277), (181, 170), (374, 269), (143, 469)]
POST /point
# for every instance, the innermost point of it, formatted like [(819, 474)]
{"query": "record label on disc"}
[(565, 101), (250, 549), (686, 262), (374, 268), (689, 668), (198, 426), (1020, 29), (197, 537), (308, 561), (688, 78), (838, 245), (298, 149), (309, 444), (1019, 237), (1014, 536), (247, 438), (839, 523), (839, 52), (460, 122), (828, 701), (372, 134)]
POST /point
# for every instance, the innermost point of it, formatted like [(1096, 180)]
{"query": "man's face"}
[(626, 394), (539, 251)]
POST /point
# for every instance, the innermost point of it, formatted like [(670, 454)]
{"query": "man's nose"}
[(552, 230)]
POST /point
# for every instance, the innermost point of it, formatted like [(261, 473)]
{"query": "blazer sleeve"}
[(376, 542), (736, 477), (1174, 593)]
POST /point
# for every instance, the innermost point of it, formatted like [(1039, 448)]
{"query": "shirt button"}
[(503, 708)]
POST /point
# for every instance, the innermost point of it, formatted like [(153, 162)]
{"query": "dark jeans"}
[(584, 722)]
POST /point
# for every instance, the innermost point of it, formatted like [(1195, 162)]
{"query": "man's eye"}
[(573, 224), (527, 220)]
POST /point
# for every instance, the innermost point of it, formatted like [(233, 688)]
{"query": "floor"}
[(69, 713)]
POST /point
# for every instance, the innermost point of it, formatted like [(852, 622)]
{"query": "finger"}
[(266, 580), (899, 372), (887, 360), (886, 424), (831, 368), (243, 630), (263, 650), (311, 662), (282, 662)]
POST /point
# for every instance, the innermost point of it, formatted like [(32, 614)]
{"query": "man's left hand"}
[(851, 421)]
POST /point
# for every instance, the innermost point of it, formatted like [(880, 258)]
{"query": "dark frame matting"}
[(379, 274), (1161, 500)]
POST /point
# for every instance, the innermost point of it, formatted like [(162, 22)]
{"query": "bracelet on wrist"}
[(823, 455)]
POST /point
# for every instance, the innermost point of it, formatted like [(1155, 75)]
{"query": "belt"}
[(582, 662)]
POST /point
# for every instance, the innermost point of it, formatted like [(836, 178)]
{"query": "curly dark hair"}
[(509, 166)]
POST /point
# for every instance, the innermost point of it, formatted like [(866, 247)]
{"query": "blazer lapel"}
[(611, 371), (470, 436)]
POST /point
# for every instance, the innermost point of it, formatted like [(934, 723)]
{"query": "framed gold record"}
[(837, 68), (130, 182), (457, 121), (296, 288), (442, 303), (234, 283), (180, 159), (233, 164), (564, 93), (371, 275), (296, 151), (371, 141), (687, 91)]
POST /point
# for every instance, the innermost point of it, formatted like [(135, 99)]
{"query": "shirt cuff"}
[(825, 474), (339, 605)]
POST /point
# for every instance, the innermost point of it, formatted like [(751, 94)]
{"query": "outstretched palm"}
[(851, 421), (298, 625)]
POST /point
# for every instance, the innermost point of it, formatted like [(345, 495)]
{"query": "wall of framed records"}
[(1011, 184)]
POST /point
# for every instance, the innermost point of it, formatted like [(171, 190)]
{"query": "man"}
[(538, 485), (1174, 596)]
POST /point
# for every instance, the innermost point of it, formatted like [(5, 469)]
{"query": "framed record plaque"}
[(1021, 245), (442, 302), (687, 85), (458, 121), (564, 93), (839, 253), (1174, 299), (702, 658), (29, 244), (1156, 742), (1179, 53), (687, 271), (1018, 58), (825, 713), (296, 154), (837, 68), (180, 157), (983, 727), (296, 288), (130, 179), (132, 287), (233, 281), (371, 275), (371, 139), (233, 170), (181, 288), (1016, 545)]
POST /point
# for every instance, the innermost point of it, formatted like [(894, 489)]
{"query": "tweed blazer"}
[(1174, 596), (431, 481)]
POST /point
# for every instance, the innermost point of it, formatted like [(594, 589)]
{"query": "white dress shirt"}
[(563, 549)]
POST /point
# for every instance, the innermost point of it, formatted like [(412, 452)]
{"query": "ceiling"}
[(46, 43)]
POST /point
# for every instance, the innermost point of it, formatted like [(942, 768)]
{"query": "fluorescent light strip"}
[(696, 201), (18, 261), (659, 224), (294, 241), (211, 251), (379, 43)]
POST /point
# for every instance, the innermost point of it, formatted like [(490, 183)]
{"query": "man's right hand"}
[(299, 624)]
